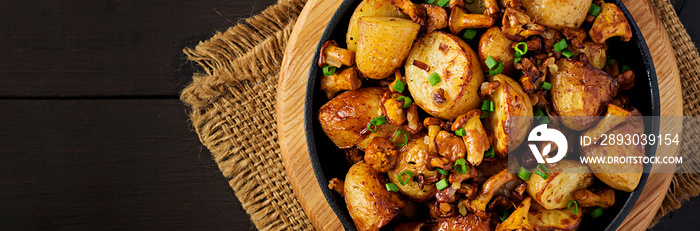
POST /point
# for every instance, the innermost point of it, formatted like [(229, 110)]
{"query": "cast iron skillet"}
[(329, 161)]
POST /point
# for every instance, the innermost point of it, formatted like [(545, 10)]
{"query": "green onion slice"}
[(517, 59), (490, 62), (505, 216), (625, 68), (541, 171), (538, 112), (597, 212), (524, 173), (520, 51), (430, 1), (379, 120), (469, 34), (567, 53), (594, 10), (404, 180), (391, 187), (443, 171), (492, 106), (405, 138), (434, 79), (329, 70), (485, 105), (561, 45), (484, 115), (575, 209), (461, 166), (460, 132), (546, 86), (490, 153), (611, 61), (442, 184), (406, 101), (442, 3), (498, 69), (399, 86)]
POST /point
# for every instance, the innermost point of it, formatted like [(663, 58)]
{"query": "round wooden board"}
[(290, 110)]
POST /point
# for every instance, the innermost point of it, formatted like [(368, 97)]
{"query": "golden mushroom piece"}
[(332, 55), (611, 22), (344, 80), (460, 20)]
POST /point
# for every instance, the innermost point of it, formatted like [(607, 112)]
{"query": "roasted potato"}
[(580, 92), (469, 222), (512, 106), (369, 8), (620, 176), (384, 43), (370, 205), (493, 43), (562, 181), (554, 219), (595, 52), (344, 118), (558, 14), (412, 157), (458, 69)]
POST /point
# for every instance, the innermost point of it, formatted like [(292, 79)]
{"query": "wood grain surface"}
[(294, 72)]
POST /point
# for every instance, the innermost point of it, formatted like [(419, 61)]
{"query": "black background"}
[(92, 132)]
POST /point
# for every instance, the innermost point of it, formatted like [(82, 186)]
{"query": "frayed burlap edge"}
[(683, 185), (233, 101), (232, 110)]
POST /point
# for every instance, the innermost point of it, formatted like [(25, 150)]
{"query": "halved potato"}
[(561, 183), (493, 43), (558, 14), (459, 72), (344, 118), (370, 205), (369, 8), (413, 157), (554, 219), (513, 105), (384, 43)]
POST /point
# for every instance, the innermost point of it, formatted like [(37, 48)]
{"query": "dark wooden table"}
[(92, 133)]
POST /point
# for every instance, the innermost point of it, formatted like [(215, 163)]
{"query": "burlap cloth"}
[(232, 102)]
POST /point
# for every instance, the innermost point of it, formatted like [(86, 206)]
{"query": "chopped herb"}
[(505, 215), (329, 70), (399, 86), (406, 101), (490, 62), (405, 138), (469, 34), (524, 173), (517, 59), (625, 68), (379, 120), (575, 209), (594, 10), (404, 180), (391, 187), (597, 212), (541, 171), (489, 153), (434, 79), (567, 53), (442, 3), (611, 61), (546, 86), (561, 45), (461, 166), (484, 114), (442, 184), (443, 171), (498, 69), (520, 51), (460, 132)]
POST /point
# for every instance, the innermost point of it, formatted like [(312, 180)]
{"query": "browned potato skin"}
[(459, 70), (344, 119), (412, 157), (511, 102), (557, 14), (493, 43), (561, 183), (556, 219), (624, 177), (370, 205), (384, 43), (580, 92), (368, 8), (469, 222)]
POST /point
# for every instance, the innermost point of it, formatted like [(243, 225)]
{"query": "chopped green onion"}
[(442, 184), (492, 106), (433, 79), (329, 70), (498, 69), (597, 212), (404, 180), (379, 120), (594, 10), (399, 86), (442, 3), (505, 215), (517, 59), (460, 132), (391, 187), (541, 171), (625, 68), (561, 45), (469, 34), (490, 62), (484, 114), (538, 112), (611, 61), (520, 51), (544, 120), (524, 173), (485, 105), (430, 1), (461, 166), (567, 53), (575, 209), (489, 153), (405, 138), (443, 171), (406, 101), (546, 86)]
